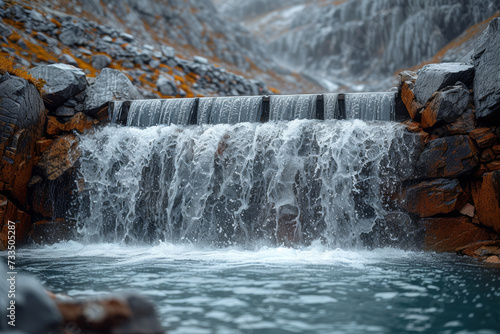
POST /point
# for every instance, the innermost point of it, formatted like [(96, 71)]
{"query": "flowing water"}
[(281, 290)]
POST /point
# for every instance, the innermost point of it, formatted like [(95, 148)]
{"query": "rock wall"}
[(455, 193)]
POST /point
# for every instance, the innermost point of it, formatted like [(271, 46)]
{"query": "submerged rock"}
[(434, 77), (110, 85), (487, 81), (62, 82)]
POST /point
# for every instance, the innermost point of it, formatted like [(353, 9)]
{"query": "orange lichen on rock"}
[(7, 66), (80, 122), (59, 157)]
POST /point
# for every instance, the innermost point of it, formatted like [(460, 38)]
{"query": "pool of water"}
[(281, 290)]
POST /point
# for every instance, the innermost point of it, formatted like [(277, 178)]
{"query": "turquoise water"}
[(281, 290)]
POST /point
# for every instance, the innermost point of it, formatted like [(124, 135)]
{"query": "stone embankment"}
[(455, 192)]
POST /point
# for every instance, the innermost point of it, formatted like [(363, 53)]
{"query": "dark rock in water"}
[(22, 119), (35, 311), (446, 106), (72, 35), (447, 234), (448, 157), (429, 198), (110, 85), (487, 81), (62, 82), (100, 61), (166, 86), (434, 77), (487, 200)]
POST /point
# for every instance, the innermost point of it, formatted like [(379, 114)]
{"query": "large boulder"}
[(487, 201), (62, 82), (434, 77), (22, 118), (446, 106), (451, 233), (110, 85), (448, 157), (429, 198), (487, 81)]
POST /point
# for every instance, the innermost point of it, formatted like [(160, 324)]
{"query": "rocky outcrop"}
[(446, 106), (486, 83), (59, 157), (434, 77), (487, 200), (110, 85)]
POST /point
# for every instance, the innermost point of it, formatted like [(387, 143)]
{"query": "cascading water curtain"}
[(278, 182)]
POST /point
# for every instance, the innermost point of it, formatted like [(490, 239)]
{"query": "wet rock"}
[(481, 248), (493, 259), (59, 157), (100, 61), (22, 222), (446, 106), (451, 233), (63, 81), (42, 145), (80, 122), (434, 77), (463, 125), (22, 118), (448, 157), (110, 85), (429, 198), (120, 315), (483, 137), (48, 232), (487, 201), (486, 83), (64, 111), (35, 311), (412, 105)]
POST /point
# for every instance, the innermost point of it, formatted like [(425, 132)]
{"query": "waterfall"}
[(277, 182), (290, 107), (230, 110), (332, 107), (370, 106)]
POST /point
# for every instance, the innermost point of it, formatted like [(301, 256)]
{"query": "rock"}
[(73, 35), (468, 210), (168, 51), (42, 145), (446, 106), (22, 119), (496, 149), (60, 157), (166, 86), (493, 165), (481, 248), (63, 81), (200, 60), (80, 122), (448, 157), (110, 85), (412, 105), (5, 30), (47, 232), (100, 61), (434, 77), (494, 259), (67, 59), (119, 315), (451, 233), (429, 198), (487, 201), (484, 137), (407, 76), (487, 81), (35, 311), (63, 111), (22, 222), (463, 125)]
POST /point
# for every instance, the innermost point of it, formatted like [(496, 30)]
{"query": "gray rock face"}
[(487, 81), (110, 85), (63, 81), (100, 61), (166, 86), (434, 77), (446, 106)]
